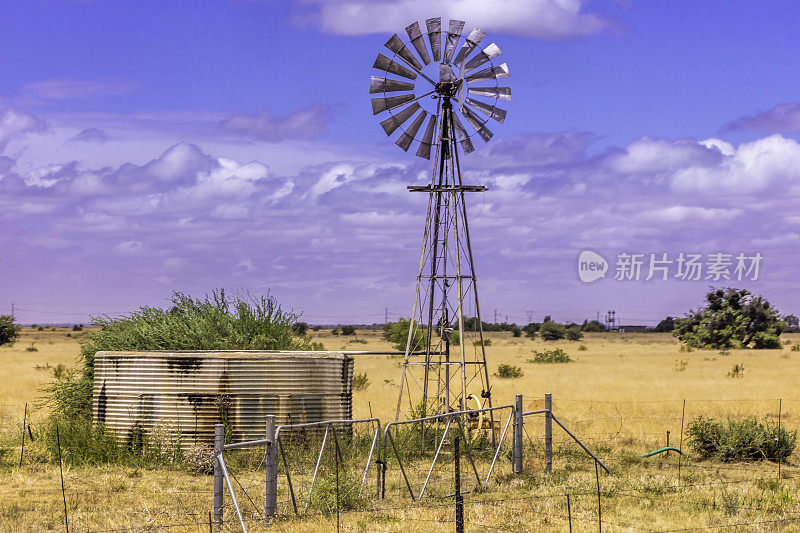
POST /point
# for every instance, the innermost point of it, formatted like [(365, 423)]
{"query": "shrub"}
[(348, 330), (796, 347), (740, 439), (40, 328), (76, 327), (32, 348), (552, 331), (593, 326), (680, 365), (360, 381), (316, 328), (9, 330), (505, 371), (516, 332), (300, 328), (582, 348), (550, 356), (574, 334), (215, 322), (486, 342), (737, 371), (335, 331), (200, 459), (397, 334)]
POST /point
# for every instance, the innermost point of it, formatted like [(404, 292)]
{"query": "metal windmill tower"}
[(445, 358)]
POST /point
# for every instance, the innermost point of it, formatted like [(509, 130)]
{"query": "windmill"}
[(444, 365)]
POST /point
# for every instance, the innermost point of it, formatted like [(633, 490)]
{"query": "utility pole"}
[(386, 316), (530, 316), (495, 316), (12, 309)]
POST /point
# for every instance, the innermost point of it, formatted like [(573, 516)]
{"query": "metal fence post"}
[(548, 433), (459, 496), (518, 435), (219, 442), (271, 469)]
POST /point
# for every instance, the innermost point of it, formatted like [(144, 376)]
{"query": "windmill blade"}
[(404, 141), (489, 74), (453, 35), (415, 35), (396, 45), (477, 123), (424, 150), (395, 121), (474, 37), (494, 112), (387, 65), (463, 136), (379, 105), (503, 93), (490, 52), (434, 26), (386, 85)]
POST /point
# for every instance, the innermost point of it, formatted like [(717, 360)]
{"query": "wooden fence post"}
[(271, 469), (219, 442)]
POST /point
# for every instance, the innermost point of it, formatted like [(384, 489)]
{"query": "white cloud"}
[(652, 156), (68, 89), (754, 166), (553, 20), (682, 213), (14, 124)]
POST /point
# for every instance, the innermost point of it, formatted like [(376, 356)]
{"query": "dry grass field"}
[(621, 395)]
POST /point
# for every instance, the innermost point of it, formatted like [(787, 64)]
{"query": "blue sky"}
[(149, 146)]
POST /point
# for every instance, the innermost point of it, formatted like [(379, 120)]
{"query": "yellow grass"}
[(621, 395)]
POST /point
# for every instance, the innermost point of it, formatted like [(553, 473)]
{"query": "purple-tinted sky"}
[(153, 146)]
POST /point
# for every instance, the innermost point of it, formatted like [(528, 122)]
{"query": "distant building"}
[(633, 329)]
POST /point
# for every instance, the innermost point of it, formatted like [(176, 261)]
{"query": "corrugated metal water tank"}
[(185, 393)]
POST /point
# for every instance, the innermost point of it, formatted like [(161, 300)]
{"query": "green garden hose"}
[(667, 449)]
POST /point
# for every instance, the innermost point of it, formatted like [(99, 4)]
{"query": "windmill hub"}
[(448, 89)]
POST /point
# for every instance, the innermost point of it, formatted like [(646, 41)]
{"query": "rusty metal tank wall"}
[(183, 394)]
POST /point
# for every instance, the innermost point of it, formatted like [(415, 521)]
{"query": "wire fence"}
[(717, 495)]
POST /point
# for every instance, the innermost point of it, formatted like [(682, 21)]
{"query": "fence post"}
[(548, 433), (219, 442), (518, 435), (459, 496), (271, 469)]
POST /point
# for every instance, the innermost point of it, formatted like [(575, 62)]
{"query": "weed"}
[(796, 347), (737, 371), (506, 371), (556, 355), (356, 340), (582, 348), (360, 381), (32, 348), (681, 365), (686, 348), (486, 342)]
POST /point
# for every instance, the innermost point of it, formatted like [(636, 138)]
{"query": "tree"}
[(665, 326), (9, 330), (792, 323), (300, 328), (397, 334), (552, 331), (574, 333), (731, 318), (593, 326), (348, 330)]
